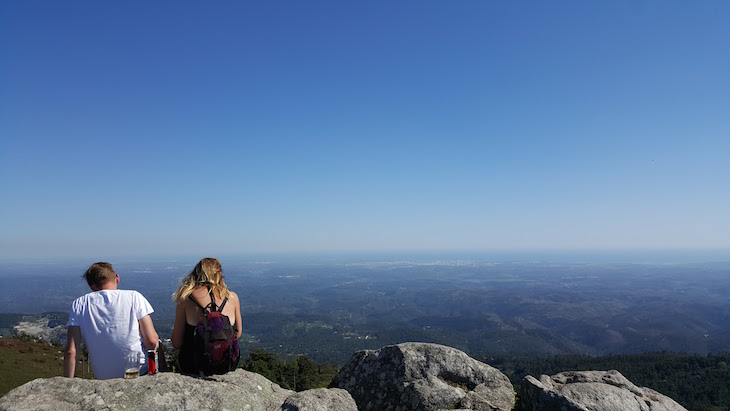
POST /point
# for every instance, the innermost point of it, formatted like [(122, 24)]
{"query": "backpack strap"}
[(212, 301), (205, 310), (223, 304), (213, 306), (206, 342)]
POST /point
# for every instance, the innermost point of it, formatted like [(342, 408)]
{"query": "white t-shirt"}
[(109, 326)]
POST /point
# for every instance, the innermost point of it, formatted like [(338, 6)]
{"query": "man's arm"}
[(149, 335), (73, 339)]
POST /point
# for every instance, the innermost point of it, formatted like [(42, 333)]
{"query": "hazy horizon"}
[(625, 256)]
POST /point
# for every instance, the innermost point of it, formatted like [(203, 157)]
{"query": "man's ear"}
[(117, 279)]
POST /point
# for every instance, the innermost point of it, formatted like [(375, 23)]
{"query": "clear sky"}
[(138, 128)]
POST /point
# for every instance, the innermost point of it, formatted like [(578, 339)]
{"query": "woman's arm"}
[(239, 324), (178, 330)]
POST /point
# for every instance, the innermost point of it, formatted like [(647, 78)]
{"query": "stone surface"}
[(238, 390), (320, 400), (419, 376), (409, 376), (591, 391)]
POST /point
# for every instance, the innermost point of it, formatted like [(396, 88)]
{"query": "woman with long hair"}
[(202, 287)]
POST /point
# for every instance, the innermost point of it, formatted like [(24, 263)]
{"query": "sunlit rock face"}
[(591, 391), (320, 399), (403, 377), (238, 390), (419, 376)]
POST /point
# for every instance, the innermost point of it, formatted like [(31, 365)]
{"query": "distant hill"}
[(44, 326), (23, 360), (329, 310)]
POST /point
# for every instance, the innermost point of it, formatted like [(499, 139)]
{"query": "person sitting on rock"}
[(201, 292), (112, 322)]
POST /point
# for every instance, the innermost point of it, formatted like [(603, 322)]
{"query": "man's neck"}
[(112, 285)]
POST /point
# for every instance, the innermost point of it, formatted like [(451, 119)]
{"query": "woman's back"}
[(205, 279), (202, 296), (185, 327)]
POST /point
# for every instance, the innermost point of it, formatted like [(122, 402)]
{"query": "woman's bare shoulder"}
[(200, 290)]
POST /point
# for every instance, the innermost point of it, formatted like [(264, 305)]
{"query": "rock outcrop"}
[(43, 327), (423, 377), (590, 391), (238, 390), (321, 399), (403, 377)]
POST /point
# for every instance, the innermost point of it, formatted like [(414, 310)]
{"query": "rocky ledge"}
[(591, 390), (238, 390), (403, 377)]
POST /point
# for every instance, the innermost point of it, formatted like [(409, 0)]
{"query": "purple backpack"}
[(216, 344)]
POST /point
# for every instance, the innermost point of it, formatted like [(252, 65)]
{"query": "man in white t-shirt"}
[(112, 322)]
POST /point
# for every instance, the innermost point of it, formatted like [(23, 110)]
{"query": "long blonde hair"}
[(207, 273)]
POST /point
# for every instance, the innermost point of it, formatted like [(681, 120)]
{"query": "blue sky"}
[(142, 128)]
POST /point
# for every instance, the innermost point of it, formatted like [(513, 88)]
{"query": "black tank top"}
[(186, 356)]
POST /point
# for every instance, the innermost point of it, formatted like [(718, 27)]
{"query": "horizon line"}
[(605, 255)]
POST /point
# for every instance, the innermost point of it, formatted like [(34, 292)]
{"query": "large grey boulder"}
[(238, 390), (591, 391), (423, 377), (320, 400)]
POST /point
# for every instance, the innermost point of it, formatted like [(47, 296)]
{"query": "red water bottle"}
[(151, 362)]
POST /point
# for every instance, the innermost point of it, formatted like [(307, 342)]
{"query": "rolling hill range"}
[(330, 309)]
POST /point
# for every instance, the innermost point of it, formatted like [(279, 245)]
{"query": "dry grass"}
[(23, 361)]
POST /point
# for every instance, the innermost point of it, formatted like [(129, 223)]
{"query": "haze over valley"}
[(328, 308)]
